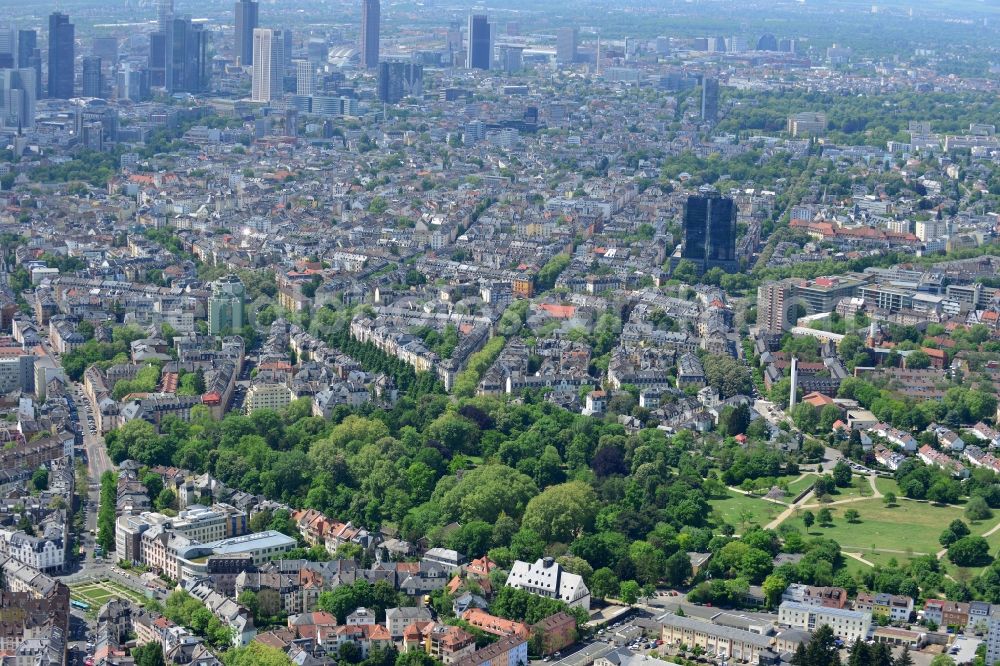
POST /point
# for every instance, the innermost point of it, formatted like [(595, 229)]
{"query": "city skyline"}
[(335, 333)]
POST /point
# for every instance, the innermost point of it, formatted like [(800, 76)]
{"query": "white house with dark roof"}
[(546, 578)]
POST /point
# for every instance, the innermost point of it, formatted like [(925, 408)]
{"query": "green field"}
[(887, 486), (910, 527), (732, 509), (99, 593), (860, 487), (795, 487)]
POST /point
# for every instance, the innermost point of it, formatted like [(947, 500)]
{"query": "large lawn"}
[(910, 527), (860, 487), (887, 486), (732, 508), (99, 593), (795, 487)]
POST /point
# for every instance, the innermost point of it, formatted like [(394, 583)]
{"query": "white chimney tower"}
[(795, 384)]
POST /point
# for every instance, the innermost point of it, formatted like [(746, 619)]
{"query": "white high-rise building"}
[(931, 229), (268, 58), (7, 41), (17, 98), (305, 79)]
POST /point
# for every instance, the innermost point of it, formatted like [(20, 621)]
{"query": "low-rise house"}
[(946, 613), (896, 607), (935, 458), (888, 459), (230, 613), (810, 595), (445, 558)]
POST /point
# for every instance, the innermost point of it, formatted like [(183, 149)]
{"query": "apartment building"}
[(728, 642), (849, 625)]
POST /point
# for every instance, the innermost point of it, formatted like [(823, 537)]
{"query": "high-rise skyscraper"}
[(710, 232), (305, 78), (246, 23), (772, 301), (225, 305), (511, 58), (371, 20), (61, 36), (158, 60), (17, 98), (478, 55), (767, 42), (133, 82), (268, 60), (189, 56), (27, 42), (397, 80), (286, 50), (163, 46), (566, 45), (93, 81), (29, 56), (8, 48), (710, 98), (164, 14)]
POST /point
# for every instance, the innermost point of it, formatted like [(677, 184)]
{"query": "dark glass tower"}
[(246, 21), (189, 54), (396, 80), (710, 232), (158, 60), (93, 82), (27, 42), (710, 99), (371, 18), (479, 55), (61, 36)]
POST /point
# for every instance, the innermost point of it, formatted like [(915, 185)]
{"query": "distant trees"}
[(977, 509), (728, 376), (148, 654), (918, 360), (547, 275), (256, 654), (106, 511), (344, 599), (515, 604), (822, 649), (562, 512), (842, 474), (628, 592), (805, 416), (186, 610), (970, 551), (955, 531)]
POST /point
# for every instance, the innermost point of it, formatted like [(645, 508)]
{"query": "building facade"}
[(246, 12), (710, 232), (371, 19), (61, 48)]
